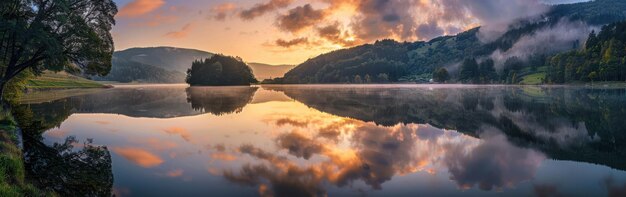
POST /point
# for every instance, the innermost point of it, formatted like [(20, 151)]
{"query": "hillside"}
[(168, 58), (602, 59), (266, 71), (126, 71), (516, 55), (169, 65), (60, 80)]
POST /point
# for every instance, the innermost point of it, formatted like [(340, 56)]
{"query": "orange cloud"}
[(181, 33), (175, 173), (140, 7), (157, 144), (138, 156), (178, 131), (222, 10), (223, 156)]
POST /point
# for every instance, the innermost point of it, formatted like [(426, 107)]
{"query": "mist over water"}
[(347, 140)]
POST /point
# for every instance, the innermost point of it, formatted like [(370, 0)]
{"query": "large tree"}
[(55, 35)]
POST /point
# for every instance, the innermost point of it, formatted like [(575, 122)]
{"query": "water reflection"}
[(68, 167), (220, 100), (354, 140), (559, 121)]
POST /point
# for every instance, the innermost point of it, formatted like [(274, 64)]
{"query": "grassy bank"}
[(61, 80), (12, 173)]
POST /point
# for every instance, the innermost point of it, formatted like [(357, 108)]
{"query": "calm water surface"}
[(334, 140)]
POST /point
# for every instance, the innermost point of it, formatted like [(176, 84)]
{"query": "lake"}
[(342, 140)]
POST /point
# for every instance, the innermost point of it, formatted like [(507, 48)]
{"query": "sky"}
[(292, 31)]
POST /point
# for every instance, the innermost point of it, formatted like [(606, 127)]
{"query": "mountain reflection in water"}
[(349, 140)]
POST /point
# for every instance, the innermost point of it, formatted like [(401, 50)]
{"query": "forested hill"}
[(602, 59), (152, 65), (168, 58), (519, 53), (169, 65)]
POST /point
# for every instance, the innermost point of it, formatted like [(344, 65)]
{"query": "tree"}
[(357, 79), (368, 79), (469, 71), (441, 75), (220, 70), (54, 35), (382, 78), (487, 71)]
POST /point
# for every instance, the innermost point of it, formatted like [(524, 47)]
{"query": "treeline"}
[(602, 59), (220, 70)]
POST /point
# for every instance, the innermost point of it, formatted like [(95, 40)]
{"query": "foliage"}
[(12, 172), (14, 89), (54, 35), (441, 75), (220, 70), (602, 59), (386, 57)]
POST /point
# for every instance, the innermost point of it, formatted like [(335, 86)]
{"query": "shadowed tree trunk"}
[(2, 84)]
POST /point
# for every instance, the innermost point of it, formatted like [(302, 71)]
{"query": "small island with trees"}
[(220, 70)]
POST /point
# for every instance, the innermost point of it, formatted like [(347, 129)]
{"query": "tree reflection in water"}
[(220, 100), (363, 138), (70, 168)]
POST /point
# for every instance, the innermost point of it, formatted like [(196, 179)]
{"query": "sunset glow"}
[(291, 31)]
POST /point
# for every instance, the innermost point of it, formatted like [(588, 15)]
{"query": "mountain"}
[(127, 71), (169, 65), (168, 58), (152, 65), (519, 53), (266, 71)]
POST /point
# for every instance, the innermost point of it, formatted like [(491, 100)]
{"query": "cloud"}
[(299, 145), (293, 122), (378, 19), (175, 173), (334, 34), (138, 8), (561, 37), (178, 131), (182, 33), (493, 164), (300, 18), (291, 43), (157, 144), (138, 156), (222, 10), (223, 156), (263, 8), (429, 30)]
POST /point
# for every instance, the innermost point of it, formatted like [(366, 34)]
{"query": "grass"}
[(61, 80), (533, 79), (12, 173), (35, 97)]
